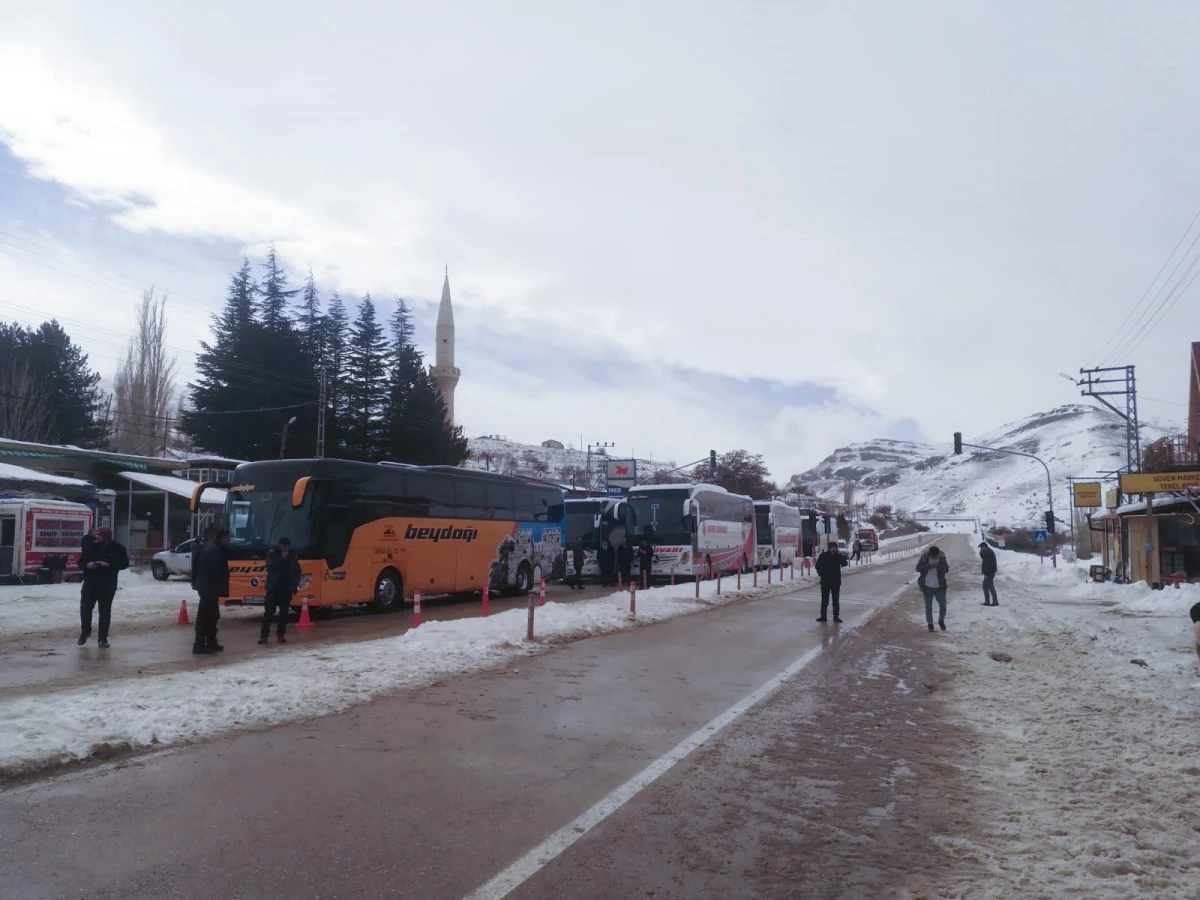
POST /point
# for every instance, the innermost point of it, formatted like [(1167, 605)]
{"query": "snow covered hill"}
[(556, 463), (1074, 440)]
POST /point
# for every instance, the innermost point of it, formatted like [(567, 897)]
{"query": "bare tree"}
[(24, 404), (145, 382)]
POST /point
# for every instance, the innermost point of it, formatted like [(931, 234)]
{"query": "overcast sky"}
[(674, 226)]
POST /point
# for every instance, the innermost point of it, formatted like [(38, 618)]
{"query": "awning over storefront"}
[(179, 487)]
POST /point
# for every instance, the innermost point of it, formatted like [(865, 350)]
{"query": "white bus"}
[(777, 527), (695, 529)]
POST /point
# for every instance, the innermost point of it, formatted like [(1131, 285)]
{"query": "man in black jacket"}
[(829, 569), (606, 559), (212, 583), (102, 558), (645, 560), (578, 557), (283, 580), (624, 561), (988, 557)]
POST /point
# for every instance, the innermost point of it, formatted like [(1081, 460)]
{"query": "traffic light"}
[(958, 443), (712, 459), (1050, 522)]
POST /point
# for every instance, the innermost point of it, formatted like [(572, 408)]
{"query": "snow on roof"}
[(180, 487), (9, 447), (9, 472)]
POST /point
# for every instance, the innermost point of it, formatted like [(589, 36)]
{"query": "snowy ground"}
[(1090, 764), (74, 723), (140, 600)]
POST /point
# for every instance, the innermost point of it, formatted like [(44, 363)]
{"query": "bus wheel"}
[(389, 592), (524, 579)]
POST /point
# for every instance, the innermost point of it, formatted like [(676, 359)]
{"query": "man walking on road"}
[(988, 557), (857, 557), (212, 584), (829, 569), (934, 568), (283, 580), (101, 560)]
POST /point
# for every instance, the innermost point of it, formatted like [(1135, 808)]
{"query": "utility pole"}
[(321, 418), (1122, 382), (599, 446)]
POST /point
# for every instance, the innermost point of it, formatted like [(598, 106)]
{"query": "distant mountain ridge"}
[(556, 463), (1073, 440)]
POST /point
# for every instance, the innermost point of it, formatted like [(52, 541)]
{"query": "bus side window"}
[(469, 499), (500, 501), (524, 505)]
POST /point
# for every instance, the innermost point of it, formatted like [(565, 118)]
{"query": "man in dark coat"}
[(283, 580), (212, 583), (988, 557), (578, 558), (102, 558), (645, 556), (624, 561), (829, 568), (857, 557), (934, 568), (606, 559)]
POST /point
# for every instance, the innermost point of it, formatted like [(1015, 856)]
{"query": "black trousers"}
[(989, 591), (91, 597), (831, 592), (626, 574), (272, 604), (208, 613)]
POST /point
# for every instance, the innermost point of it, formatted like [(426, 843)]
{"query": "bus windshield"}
[(581, 522), (762, 524), (659, 516), (258, 520)]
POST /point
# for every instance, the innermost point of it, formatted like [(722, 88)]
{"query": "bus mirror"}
[(770, 518), (198, 492), (687, 508), (298, 491), (596, 520)]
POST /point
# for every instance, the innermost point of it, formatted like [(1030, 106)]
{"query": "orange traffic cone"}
[(183, 616), (305, 621)]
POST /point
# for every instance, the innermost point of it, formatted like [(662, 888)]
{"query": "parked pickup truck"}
[(176, 561)]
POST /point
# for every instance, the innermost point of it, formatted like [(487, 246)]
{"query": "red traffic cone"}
[(305, 621), (183, 616)]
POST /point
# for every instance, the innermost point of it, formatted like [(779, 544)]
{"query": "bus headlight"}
[(305, 581)]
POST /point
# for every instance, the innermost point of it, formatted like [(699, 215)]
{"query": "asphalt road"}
[(427, 794)]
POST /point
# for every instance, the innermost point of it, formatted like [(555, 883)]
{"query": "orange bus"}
[(373, 533)]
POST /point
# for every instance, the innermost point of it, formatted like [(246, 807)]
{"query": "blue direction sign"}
[(1041, 536)]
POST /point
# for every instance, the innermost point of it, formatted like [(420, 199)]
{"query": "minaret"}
[(443, 372)]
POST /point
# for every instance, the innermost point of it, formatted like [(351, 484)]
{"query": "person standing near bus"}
[(212, 585), (829, 568), (606, 559), (283, 580), (577, 559), (624, 562), (101, 562), (857, 557), (645, 560)]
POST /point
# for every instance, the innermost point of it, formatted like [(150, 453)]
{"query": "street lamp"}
[(283, 437)]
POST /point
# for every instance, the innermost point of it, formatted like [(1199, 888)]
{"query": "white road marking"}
[(551, 848)]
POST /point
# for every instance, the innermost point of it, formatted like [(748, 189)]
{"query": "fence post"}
[(529, 621), (416, 609), (486, 603), (542, 593), (633, 601), (672, 576)]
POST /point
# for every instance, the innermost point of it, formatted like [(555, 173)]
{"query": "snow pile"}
[(1007, 490), (140, 600), (1089, 760)]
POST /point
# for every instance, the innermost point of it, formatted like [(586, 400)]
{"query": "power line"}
[(1160, 312), (1120, 328)]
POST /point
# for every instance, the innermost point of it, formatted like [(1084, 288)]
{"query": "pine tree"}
[(250, 366), (417, 430), (335, 339), (366, 385), (275, 294), (45, 365), (311, 322)]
